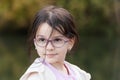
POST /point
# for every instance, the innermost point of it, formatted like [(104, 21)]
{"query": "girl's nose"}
[(49, 46)]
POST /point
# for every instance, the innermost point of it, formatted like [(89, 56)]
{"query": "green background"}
[(98, 25)]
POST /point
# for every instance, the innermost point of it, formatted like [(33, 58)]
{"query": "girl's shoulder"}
[(38, 71), (34, 69), (79, 72)]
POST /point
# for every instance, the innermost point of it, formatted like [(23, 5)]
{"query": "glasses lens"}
[(41, 42), (58, 42)]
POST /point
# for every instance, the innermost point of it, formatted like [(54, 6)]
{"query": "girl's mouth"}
[(50, 55)]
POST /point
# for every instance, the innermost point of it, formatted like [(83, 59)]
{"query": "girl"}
[(53, 34)]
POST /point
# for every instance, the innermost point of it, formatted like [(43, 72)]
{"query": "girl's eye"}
[(57, 40), (41, 40)]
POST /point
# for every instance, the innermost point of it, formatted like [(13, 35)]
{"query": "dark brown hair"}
[(58, 18)]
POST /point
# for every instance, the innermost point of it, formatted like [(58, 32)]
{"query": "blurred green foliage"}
[(98, 25)]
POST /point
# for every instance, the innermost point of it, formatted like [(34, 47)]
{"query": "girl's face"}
[(52, 47)]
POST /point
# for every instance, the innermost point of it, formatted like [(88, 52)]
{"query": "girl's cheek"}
[(40, 51)]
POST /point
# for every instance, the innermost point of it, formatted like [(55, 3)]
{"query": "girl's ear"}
[(71, 43)]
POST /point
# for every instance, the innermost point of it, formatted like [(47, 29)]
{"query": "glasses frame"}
[(51, 41)]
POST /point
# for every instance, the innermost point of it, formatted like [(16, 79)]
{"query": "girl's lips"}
[(50, 55)]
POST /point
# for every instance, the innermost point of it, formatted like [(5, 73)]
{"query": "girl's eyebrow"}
[(63, 37), (51, 37), (40, 36), (58, 36)]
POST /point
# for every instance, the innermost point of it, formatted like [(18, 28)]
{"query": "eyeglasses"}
[(56, 42)]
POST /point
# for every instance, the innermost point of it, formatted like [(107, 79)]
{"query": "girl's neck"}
[(61, 68)]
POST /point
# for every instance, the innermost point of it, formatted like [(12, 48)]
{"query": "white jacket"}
[(44, 73)]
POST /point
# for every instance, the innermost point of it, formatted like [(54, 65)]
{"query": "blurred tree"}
[(116, 66), (17, 14), (93, 17)]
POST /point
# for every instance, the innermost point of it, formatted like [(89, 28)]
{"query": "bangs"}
[(61, 24)]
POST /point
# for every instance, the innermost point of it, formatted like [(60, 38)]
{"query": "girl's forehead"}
[(52, 35), (45, 30)]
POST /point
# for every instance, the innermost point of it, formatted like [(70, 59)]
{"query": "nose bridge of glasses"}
[(49, 42)]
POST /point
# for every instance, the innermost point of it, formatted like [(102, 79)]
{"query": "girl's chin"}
[(50, 60)]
